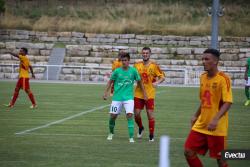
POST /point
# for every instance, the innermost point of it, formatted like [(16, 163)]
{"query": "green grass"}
[(81, 141)]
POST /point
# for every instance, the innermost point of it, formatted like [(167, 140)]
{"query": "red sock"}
[(194, 161), (151, 125), (32, 99), (15, 96), (138, 121)]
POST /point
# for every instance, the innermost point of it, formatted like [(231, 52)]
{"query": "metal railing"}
[(190, 76)]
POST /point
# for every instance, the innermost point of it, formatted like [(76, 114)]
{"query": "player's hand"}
[(212, 125), (155, 84), (105, 96), (193, 120), (145, 97), (33, 76)]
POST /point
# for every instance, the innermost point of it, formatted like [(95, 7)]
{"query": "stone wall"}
[(93, 53), (121, 39)]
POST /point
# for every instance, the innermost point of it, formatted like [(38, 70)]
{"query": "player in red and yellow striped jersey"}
[(116, 64), (210, 122), (151, 75), (23, 81)]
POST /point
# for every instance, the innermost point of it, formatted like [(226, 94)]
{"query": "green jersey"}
[(248, 65), (124, 83)]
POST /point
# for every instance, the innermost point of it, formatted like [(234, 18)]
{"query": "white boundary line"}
[(67, 118), (61, 120)]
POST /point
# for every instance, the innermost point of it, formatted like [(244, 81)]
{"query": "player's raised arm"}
[(13, 54)]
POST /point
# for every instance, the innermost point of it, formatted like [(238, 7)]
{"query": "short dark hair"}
[(147, 48), (125, 55), (214, 52), (25, 50)]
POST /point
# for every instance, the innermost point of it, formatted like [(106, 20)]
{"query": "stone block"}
[(48, 39), (199, 50), (64, 34), (146, 42), (77, 34), (94, 40), (127, 36), (10, 45), (134, 41), (93, 60), (114, 36), (5, 57), (195, 43), (143, 37), (106, 40), (124, 41), (184, 51), (64, 39)]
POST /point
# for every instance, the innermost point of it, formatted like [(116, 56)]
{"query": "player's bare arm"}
[(160, 80), (105, 96), (195, 116), (224, 108), (12, 54), (143, 89), (32, 73)]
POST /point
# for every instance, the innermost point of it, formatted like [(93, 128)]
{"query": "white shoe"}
[(151, 140), (110, 136), (131, 140), (33, 106), (140, 133)]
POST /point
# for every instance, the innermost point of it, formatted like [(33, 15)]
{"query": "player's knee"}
[(222, 163), (189, 153), (27, 91), (129, 115)]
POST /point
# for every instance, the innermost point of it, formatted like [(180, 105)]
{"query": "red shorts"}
[(23, 83), (140, 103), (201, 143)]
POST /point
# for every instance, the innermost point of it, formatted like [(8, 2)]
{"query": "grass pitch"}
[(70, 126)]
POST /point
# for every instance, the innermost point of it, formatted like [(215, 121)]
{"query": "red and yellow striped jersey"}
[(116, 64), (149, 73), (213, 93), (24, 66)]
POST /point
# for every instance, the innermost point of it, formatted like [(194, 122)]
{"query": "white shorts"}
[(248, 82), (116, 107)]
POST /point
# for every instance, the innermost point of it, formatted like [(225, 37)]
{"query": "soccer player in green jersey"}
[(123, 79), (247, 78)]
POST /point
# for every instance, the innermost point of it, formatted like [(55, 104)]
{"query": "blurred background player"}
[(247, 78), (210, 122), (123, 79), (23, 81), (116, 64), (151, 75)]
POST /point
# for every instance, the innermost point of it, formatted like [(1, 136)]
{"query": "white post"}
[(186, 76), (164, 152), (47, 72), (81, 73)]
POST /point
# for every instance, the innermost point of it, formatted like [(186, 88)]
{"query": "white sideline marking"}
[(67, 118), (62, 120)]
